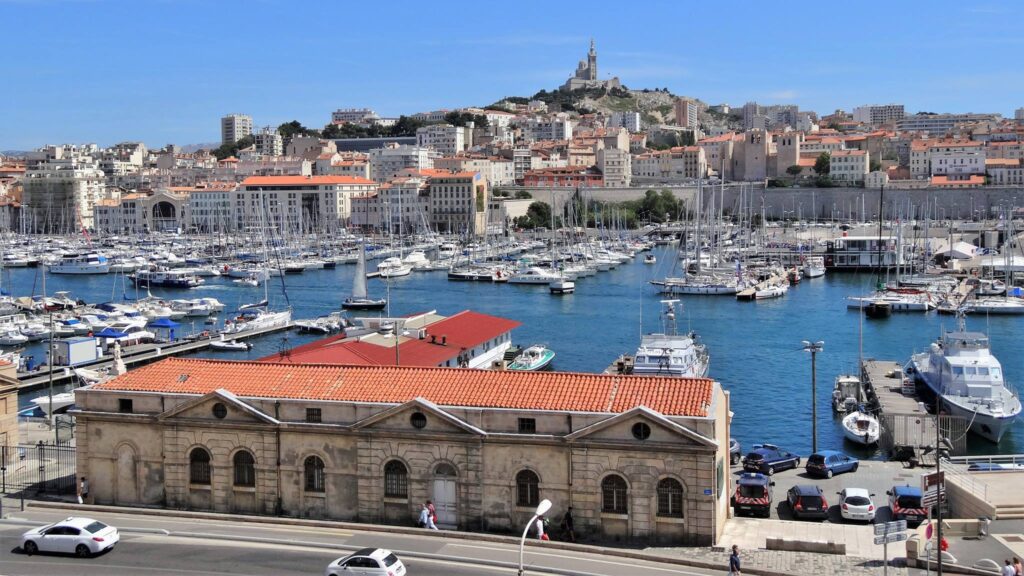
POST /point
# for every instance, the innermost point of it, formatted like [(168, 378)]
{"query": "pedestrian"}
[(541, 535), (1018, 569), (83, 490), (1008, 568), (734, 561), (567, 525), (433, 514), (425, 520)]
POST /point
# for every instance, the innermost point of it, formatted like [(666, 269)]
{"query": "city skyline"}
[(92, 72)]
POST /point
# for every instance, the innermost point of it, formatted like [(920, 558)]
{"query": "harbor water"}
[(755, 347)]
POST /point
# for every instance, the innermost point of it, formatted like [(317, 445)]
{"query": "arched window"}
[(613, 494), (396, 480), (245, 469), (199, 466), (527, 488), (670, 498), (314, 468)]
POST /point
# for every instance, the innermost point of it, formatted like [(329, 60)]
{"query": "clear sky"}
[(165, 71)]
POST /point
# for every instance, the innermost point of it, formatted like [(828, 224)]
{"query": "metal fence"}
[(917, 431), (39, 468)]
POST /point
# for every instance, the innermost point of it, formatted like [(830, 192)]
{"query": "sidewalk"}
[(763, 562)]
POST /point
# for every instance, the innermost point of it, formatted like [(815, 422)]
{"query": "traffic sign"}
[(932, 479), (891, 538), (885, 528), (932, 497)]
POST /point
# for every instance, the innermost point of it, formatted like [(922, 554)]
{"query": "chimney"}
[(433, 339), (444, 340)]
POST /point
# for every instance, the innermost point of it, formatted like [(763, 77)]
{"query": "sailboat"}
[(358, 299)]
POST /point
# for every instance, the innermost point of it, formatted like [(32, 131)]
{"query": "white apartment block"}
[(387, 162), (61, 186), (432, 116), (211, 208), (628, 120), (237, 170), (522, 162), (686, 112), (446, 139), (849, 166), (616, 166), (558, 127), (402, 205), (679, 163), (234, 127), (1007, 173), (498, 171), (353, 116), (940, 124), (297, 203), (878, 114), (458, 203), (957, 159), (269, 142)]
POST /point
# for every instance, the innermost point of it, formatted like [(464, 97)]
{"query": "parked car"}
[(753, 495), (856, 504), (768, 458), (807, 501), (735, 451), (905, 502), (367, 562), (82, 537), (830, 462)]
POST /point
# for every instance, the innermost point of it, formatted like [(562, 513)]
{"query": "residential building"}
[(234, 127), (1005, 172), (211, 207), (432, 116), (956, 158), (676, 164), (458, 202), (876, 114), (718, 152), (269, 142), (563, 177), (757, 117), (556, 127), (628, 120), (522, 162), (62, 185), (296, 203), (940, 124), (354, 116), (849, 166), (686, 112), (486, 446), (446, 139), (389, 161), (615, 166)]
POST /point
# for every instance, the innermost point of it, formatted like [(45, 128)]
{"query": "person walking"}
[(433, 514), (734, 561), (1017, 567), (83, 490), (1008, 568), (426, 521), (567, 525), (541, 535)]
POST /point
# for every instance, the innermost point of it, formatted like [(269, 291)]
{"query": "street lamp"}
[(542, 508), (814, 348)]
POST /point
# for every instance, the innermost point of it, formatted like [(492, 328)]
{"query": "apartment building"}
[(294, 203), (446, 139), (268, 142), (234, 127), (686, 112), (940, 124), (849, 166), (557, 127), (679, 163), (61, 187), (628, 120), (876, 114), (392, 159), (616, 166), (457, 202)]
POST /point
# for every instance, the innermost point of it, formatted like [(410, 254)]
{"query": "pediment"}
[(400, 418), (620, 428), (203, 408)]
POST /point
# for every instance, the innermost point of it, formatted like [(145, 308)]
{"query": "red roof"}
[(558, 391), (463, 331), (303, 180)]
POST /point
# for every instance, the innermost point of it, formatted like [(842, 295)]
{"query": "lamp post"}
[(542, 508), (814, 348)]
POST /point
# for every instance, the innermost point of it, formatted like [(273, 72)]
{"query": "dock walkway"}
[(903, 417)]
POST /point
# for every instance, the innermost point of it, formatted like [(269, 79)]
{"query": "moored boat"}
[(536, 357)]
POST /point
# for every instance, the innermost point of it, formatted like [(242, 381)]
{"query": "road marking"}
[(586, 559)]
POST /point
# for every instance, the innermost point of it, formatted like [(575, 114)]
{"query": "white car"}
[(83, 537), (856, 504), (367, 562)]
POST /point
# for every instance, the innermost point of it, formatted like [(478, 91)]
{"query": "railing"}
[(1009, 462), (37, 468), (957, 473)]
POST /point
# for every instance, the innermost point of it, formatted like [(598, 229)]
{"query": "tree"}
[(289, 130), (331, 131), (227, 150), (538, 214), (523, 195), (823, 164), (689, 139), (794, 170), (875, 165), (405, 126)]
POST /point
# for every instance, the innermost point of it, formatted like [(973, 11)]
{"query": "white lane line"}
[(530, 552)]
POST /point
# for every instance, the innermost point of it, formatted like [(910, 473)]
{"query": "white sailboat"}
[(359, 300), (861, 427)]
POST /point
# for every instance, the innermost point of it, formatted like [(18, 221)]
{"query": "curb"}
[(450, 534)]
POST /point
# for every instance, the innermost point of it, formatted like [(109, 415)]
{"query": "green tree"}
[(405, 126), (823, 164), (523, 195), (289, 130), (875, 166), (794, 170), (227, 150), (688, 139)]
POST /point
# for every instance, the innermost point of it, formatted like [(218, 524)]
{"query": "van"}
[(753, 495), (905, 503)]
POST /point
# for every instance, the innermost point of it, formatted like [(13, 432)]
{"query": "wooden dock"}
[(137, 356)]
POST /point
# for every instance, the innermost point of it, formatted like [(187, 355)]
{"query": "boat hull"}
[(987, 426)]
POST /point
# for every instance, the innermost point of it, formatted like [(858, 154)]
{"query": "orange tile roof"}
[(556, 391), (303, 180), (848, 152), (970, 181), (1002, 162)]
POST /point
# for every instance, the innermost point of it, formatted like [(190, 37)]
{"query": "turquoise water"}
[(754, 346)]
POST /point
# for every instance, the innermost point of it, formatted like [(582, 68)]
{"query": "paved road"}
[(171, 546)]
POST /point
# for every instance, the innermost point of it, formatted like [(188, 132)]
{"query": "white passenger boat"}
[(230, 345), (669, 353), (960, 369), (814, 267), (534, 275), (89, 263), (861, 427)]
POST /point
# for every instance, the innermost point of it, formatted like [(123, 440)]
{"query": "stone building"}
[(643, 459), (8, 404)]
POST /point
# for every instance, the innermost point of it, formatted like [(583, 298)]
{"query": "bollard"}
[(22, 500)]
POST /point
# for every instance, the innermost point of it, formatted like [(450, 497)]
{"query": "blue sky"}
[(165, 71)]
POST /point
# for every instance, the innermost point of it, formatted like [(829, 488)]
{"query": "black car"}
[(767, 459), (807, 502)]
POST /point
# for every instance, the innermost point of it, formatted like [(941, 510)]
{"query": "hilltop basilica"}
[(586, 75)]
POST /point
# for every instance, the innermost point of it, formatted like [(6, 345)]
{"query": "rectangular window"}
[(124, 405), (314, 415), (527, 426)]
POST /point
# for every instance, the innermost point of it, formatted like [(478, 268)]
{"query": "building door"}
[(127, 490), (444, 495)]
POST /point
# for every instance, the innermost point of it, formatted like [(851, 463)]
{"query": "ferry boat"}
[(667, 353), (960, 369), (90, 263), (165, 279), (862, 253)]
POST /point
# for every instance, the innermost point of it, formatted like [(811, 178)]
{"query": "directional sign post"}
[(933, 489), (890, 533)]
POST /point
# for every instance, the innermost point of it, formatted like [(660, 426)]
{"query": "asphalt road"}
[(164, 546)]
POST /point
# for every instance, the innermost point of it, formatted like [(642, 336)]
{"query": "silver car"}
[(82, 537)]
